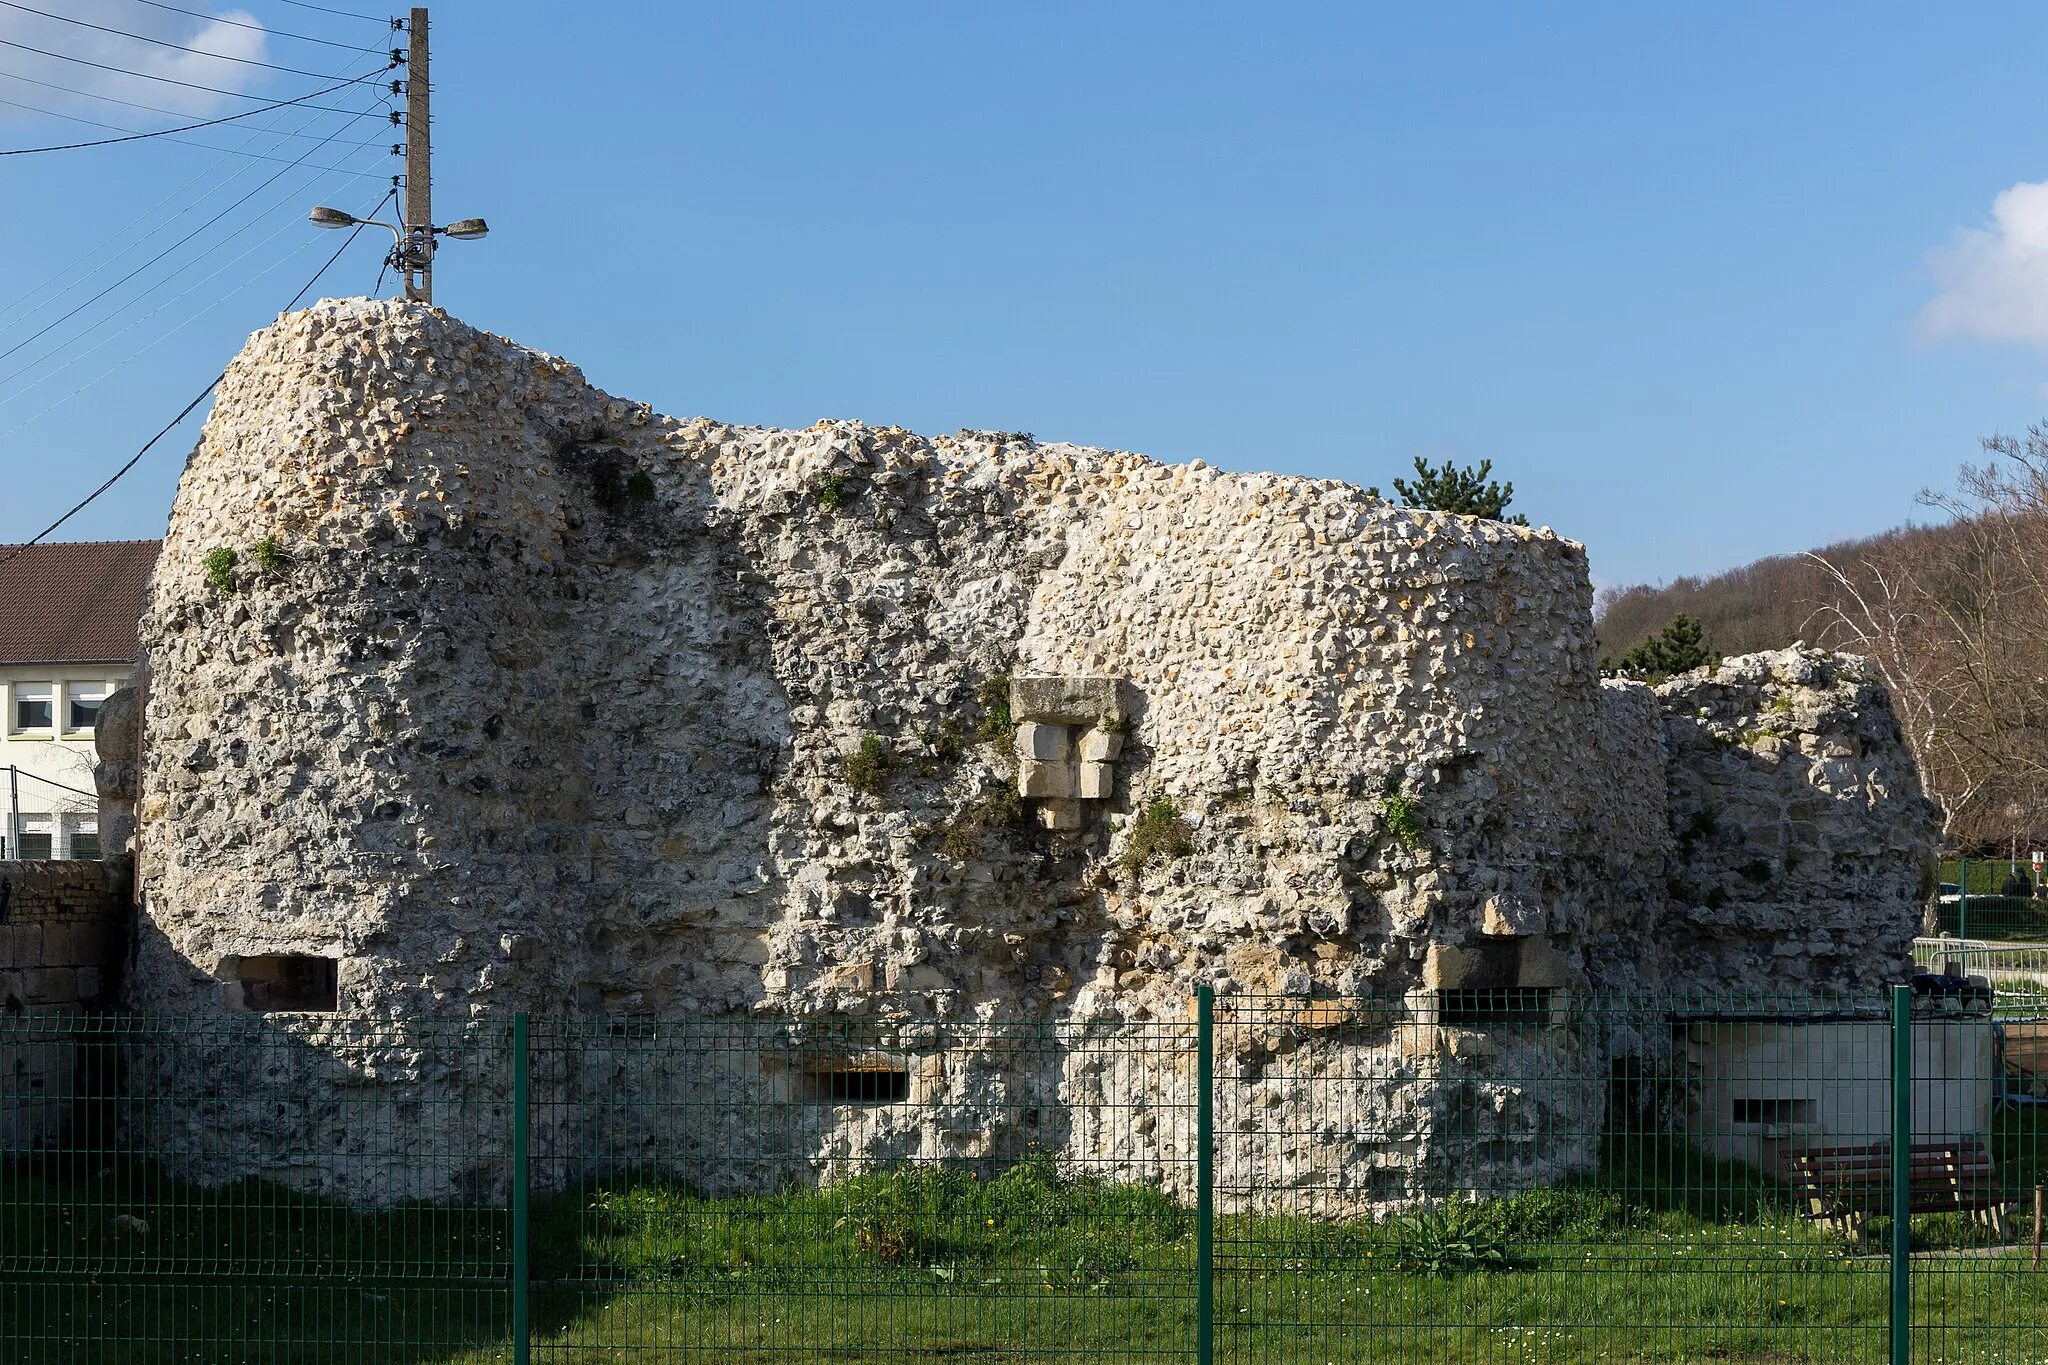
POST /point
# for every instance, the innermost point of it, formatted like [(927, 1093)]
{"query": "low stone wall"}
[(62, 935)]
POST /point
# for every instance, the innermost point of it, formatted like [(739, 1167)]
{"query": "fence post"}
[(1205, 1175), (1963, 900), (1902, 1175), (522, 1345)]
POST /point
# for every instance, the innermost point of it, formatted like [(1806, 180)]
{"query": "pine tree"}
[(1465, 491), (1678, 648)]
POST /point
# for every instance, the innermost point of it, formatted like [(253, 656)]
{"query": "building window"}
[(82, 704), (282, 981), (35, 706), (35, 837), (82, 837)]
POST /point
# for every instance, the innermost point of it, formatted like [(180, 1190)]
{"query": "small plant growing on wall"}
[(830, 492), (866, 767), (1401, 819), (1158, 829), (999, 808), (268, 554), (220, 569), (996, 725), (640, 486), (943, 745)]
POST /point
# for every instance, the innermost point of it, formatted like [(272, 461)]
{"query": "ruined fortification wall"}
[(502, 693), (1801, 840), (556, 696)]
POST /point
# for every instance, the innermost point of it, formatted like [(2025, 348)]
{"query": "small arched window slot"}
[(282, 981), (1496, 1007), (856, 1083)]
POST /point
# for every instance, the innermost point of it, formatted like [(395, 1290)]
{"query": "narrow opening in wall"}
[(1490, 1007), (857, 1083), (1773, 1111), (283, 981)]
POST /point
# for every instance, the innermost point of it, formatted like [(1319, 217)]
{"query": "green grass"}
[(1666, 1256)]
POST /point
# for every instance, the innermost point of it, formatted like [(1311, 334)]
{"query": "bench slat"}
[(1943, 1177)]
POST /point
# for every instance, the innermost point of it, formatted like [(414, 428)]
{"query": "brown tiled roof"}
[(73, 603)]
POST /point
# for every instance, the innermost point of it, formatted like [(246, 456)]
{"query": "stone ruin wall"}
[(520, 696), (63, 930)]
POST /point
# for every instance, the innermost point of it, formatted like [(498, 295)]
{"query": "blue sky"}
[(1700, 280)]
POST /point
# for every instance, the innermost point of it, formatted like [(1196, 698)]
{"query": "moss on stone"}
[(867, 767), (1158, 829), (996, 725)]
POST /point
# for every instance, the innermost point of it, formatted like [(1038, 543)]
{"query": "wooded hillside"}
[(1954, 614), (1766, 604)]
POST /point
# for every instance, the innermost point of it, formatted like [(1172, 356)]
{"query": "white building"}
[(68, 616)]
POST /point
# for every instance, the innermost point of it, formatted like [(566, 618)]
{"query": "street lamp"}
[(413, 248)]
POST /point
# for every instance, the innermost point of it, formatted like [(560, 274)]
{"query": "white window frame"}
[(18, 692), (105, 689)]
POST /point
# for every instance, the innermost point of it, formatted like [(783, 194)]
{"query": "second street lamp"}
[(408, 252)]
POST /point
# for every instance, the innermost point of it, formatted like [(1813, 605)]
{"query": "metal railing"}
[(1474, 1175), (1991, 899)]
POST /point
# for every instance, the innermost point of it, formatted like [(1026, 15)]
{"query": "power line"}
[(175, 196), (299, 102), (158, 108), (168, 80), (182, 142), (21, 376), (346, 14), (186, 411), (165, 42), (237, 23), (59, 321), (288, 225)]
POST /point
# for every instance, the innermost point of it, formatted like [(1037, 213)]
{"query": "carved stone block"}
[(1100, 746), (1043, 742), (1054, 781), (1097, 781), (1072, 701)]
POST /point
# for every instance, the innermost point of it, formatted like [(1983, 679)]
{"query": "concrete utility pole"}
[(418, 247), (415, 233)]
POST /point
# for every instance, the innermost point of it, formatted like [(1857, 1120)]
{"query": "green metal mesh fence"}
[(1520, 1175), (1991, 899)]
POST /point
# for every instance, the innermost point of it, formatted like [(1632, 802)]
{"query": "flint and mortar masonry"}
[(552, 703)]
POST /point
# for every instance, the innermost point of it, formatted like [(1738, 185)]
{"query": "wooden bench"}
[(1845, 1185)]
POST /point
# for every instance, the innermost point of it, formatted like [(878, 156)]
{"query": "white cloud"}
[(1994, 282), (50, 83)]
